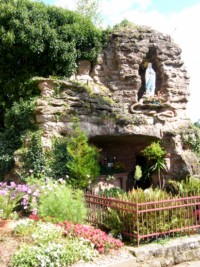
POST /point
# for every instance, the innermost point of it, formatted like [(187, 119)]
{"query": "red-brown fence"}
[(144, 221)]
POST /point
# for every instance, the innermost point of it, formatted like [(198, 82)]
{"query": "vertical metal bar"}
[(137, 221), (147, 222)]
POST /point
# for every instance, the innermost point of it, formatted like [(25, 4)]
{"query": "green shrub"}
[(58, 157), (33, 156), (58, 202), (155, 155), (138, 173), (71, 158), (24, 228), (124, 25), (113, 220), (83, 163), (190, 186), (18, 119), (74, 159)]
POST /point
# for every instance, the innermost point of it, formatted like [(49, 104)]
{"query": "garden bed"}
[(119, 258), (44, 236)]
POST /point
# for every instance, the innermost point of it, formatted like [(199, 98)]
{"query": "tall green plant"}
[(58, 203), (155, 155), (83, 163)]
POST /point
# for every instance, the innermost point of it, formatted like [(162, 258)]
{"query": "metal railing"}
[(146, 221)]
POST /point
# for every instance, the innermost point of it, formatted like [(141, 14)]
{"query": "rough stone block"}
[(190, 255), (178, 258)]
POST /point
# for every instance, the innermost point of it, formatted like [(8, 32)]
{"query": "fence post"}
[(137, 221)]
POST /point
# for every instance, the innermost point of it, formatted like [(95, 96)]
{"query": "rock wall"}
[(109, 99), (173, 252), (122, 66)]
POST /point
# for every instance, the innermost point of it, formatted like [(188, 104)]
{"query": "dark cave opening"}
[(125, 152)]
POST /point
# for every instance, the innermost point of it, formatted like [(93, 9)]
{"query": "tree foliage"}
[(90, 9), (36, 39)]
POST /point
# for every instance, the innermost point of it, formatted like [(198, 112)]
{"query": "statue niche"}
[(150, 60)]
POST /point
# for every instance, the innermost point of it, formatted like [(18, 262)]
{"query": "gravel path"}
[(104, 260)]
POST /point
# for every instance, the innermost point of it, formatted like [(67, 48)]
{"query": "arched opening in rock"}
[(151, 57), (121, 154)]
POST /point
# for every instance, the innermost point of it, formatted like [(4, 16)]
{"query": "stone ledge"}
[(173, 252)]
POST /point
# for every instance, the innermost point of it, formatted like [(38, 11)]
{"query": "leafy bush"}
[(71, 158), (124, 25), (58, 203), (154, 151), (113, 221), (83, 163), (189, 186), (155, 155), (18, 119), (57, 158), (33, 156)]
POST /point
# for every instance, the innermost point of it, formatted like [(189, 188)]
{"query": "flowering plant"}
[(15, 197), (100, 240), (155, 99), (9, 200), (47, 246)]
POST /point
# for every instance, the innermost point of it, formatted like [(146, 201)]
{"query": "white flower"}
[(147, 191)]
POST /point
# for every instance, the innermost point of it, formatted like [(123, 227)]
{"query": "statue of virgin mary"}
[(150, 80)]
